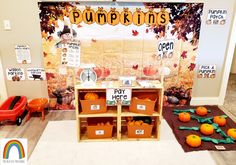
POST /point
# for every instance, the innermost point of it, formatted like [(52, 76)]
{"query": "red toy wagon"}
[(13, 108)]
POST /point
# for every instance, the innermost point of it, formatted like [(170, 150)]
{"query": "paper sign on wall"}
[(15, 74), (207, 71), (36, 74), (73, 54), (113, 95), (216, 17), (165, 49), (23, 54)]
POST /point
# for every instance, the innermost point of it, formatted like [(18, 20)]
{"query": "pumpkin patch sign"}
[(130, 39)]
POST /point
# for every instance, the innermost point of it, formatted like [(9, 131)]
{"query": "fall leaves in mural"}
[(121, 41)]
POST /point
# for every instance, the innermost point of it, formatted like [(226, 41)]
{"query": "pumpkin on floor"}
[(184, 117), (91, 96), (207, 129), (220, 120), (202, 111), (193, 140), (232, 133)]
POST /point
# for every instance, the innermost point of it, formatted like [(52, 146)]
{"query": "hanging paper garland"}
[(101, 16), (88, 15), (138, 17), (126, 17), (113, 17)]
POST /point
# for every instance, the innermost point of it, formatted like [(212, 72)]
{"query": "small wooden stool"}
[(36, 105)]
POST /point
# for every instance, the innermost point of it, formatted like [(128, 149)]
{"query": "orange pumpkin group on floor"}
[(232, 133), (221, 121), (184, 117), (207, 129), (202, 111), (193, 140), (91, 96)]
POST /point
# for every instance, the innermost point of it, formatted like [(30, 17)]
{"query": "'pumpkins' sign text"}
[(113, 17)]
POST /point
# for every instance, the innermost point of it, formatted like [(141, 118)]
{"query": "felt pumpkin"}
[(193, 140), (232, 133), (126, 17), (207, 129), (221, 121), (149, 70), (91, 96), (101, 16), (150, 17), (113, 17), (88, 15), (163, 18), (138, 17), (184, 117), (202, 111), (75, 16)]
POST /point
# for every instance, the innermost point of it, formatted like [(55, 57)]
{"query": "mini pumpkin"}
[(184, 117), (220, 120), (207, 129), (91, 96), (193, 140), (202, 111), (232, 133)]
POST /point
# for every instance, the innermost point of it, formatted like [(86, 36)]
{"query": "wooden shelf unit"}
[(118, 112)]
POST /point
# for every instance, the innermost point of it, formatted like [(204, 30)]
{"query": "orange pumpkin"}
[(202, 111), (232, 132), (207, 129), (193, 140), (91, 96), (221, 121), (184, 117)]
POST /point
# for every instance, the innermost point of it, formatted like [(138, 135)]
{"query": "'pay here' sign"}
[(113, 95)]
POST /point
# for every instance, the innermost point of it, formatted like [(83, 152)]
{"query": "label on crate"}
[(141, 107), (99, 132), (219, 147), (139, 132), (95, 107)]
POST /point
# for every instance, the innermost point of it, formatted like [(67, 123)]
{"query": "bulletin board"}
[(126, 39)]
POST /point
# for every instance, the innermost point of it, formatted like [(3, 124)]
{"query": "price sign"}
[(115, 95), (95, 107), (141, 107), (99, 132), (139, 132)]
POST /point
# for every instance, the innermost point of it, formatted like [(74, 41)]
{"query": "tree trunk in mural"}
[(121, 41)]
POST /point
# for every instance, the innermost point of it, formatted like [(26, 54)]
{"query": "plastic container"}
[(142, 106), (95, 131), (93, 106), (140, 131)]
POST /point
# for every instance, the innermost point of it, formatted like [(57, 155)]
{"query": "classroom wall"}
[(26, 30), (233, 68)]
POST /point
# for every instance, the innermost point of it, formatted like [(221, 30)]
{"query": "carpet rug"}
[(58, 145), (180, 135)]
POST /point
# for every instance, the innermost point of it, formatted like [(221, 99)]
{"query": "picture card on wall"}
[(23, 54), (36, 74), (206, 71), (15, 74), (216, 17)]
